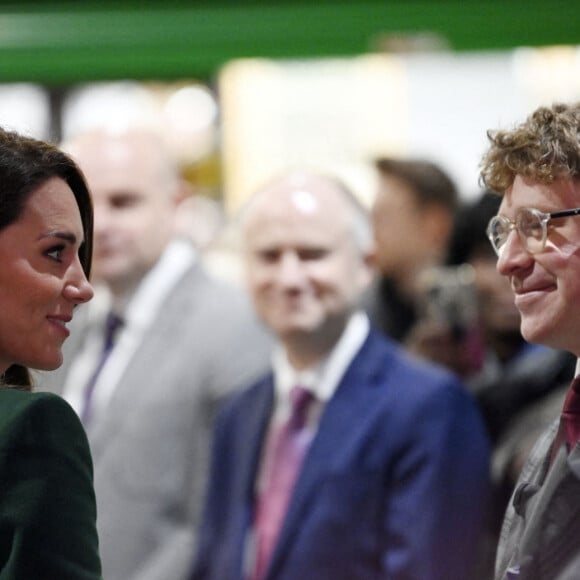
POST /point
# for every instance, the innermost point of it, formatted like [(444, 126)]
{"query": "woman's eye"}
[(55, 253)]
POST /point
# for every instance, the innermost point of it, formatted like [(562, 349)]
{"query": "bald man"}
[(348, 460), (182, 341)]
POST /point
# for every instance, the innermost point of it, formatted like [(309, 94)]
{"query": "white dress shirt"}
[(323, 379), (139, 314)]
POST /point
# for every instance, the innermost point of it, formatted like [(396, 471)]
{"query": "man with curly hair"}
[(536, 168)]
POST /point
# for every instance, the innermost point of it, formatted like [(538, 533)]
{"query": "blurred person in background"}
[(412, 217), (47, 501), (349, 459), (147, 366)]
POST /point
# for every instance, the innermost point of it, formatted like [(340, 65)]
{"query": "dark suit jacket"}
[(541, 532), (47, 503), (394, 485)]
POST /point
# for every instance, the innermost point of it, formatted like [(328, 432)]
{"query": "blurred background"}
[(243, 89)]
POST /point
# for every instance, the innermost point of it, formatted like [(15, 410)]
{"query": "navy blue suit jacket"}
[(394, 485)]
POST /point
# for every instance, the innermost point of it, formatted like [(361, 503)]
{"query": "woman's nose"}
[(77, 288)]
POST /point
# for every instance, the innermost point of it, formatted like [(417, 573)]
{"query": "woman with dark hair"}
[(47, 503)]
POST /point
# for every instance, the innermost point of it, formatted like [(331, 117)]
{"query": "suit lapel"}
[(553, 517), (339, 422), (537, 505), (250, 435), (255, 428), (135, 382)]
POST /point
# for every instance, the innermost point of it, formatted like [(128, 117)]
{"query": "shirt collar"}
[(158, 282), (322, 379)]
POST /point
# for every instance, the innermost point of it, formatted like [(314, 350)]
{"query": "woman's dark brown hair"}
[(25, 165)]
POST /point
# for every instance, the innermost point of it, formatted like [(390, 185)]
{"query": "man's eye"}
[(313, 254), (125, 201), (269, 256)]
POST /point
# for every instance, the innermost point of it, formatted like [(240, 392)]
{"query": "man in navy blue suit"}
[(392, 480)]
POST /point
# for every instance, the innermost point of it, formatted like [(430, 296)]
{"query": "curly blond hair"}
[(545, 147)]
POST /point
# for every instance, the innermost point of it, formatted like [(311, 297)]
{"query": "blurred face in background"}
[(41, 278), (408, 236), (305, 269), (135, 192)]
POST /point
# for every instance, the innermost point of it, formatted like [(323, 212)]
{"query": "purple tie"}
[(112, 325), (569, 429), (285, 451)]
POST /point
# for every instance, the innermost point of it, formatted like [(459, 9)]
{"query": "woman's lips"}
[(60, 322)]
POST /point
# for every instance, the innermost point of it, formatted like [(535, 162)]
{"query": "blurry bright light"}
[(25, 108), (191, 109), (114, 107), (185, 116), (548, 74)]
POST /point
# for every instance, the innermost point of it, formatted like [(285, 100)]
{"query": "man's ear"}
[(438, 222), (370, 258), (368, 267)]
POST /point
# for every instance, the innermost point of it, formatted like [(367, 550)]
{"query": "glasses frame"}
[(544, 220)]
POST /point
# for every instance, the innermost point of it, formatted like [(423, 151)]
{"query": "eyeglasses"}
[(531, 225)]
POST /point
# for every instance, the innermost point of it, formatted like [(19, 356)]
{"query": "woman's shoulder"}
[(36, 415), (13, 399), (46, 472)]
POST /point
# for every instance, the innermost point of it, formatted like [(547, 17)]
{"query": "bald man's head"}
[(136, 188), (307, 261)]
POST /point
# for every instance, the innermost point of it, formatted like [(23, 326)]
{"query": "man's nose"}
[(513, 255), (291, 269)]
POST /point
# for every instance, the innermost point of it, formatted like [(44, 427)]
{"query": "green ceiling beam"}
[(67, 42)]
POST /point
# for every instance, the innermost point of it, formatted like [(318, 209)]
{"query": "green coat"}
[(47, 502)]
